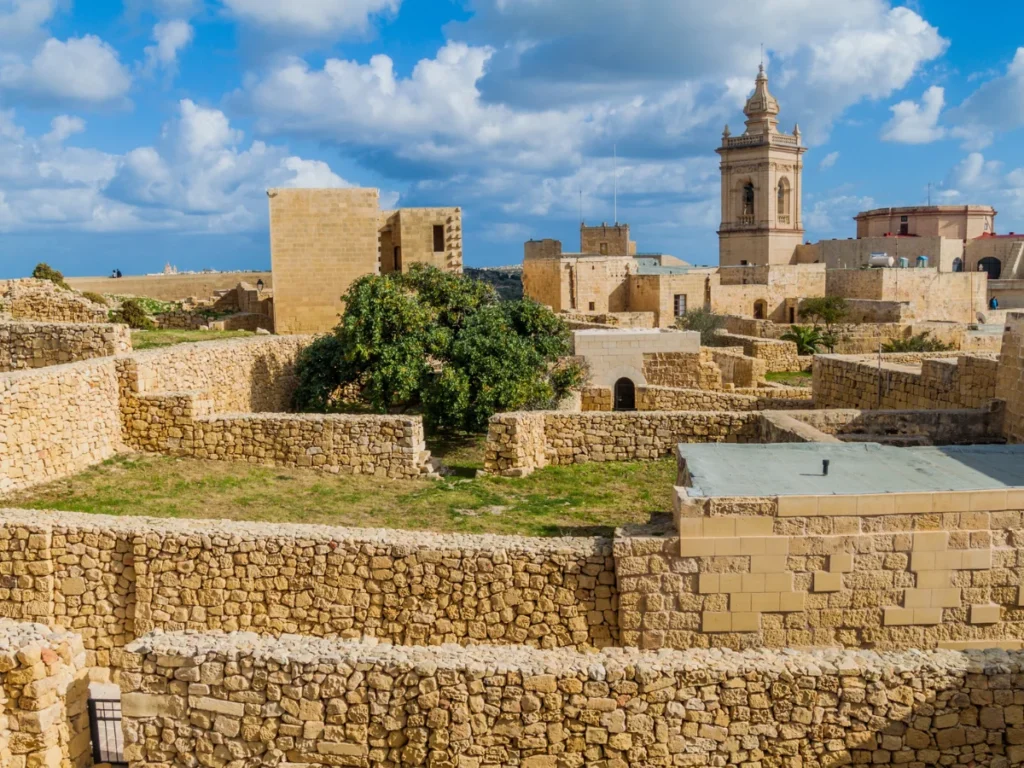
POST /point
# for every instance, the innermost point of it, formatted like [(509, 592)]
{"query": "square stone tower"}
[(761, 187)]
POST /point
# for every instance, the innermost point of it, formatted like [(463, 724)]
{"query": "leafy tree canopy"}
[(439, 342), (705, 322)]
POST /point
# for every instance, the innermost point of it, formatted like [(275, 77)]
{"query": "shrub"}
[(441, 342), (44, 271), (921, 342), (133, 315), (807, 338), (95, 298), (828, 311), (705, 322)]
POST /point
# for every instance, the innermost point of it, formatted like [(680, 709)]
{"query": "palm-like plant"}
[(807, 338)]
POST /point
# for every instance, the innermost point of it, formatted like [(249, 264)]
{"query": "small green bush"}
[(133, 315), (44, 271), (95, 298), (704, 322), (921, 342)]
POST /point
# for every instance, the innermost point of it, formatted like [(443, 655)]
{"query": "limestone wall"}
[(934, 295), (1010, 378), (889, 570), (114, 578), (676, 399), (44, 722), (290, 702), (689, 370), (777, 355), (738, 369), (514, 439), (43, 301), (37, 345), (935, 381), (56, 421), (937, 427)]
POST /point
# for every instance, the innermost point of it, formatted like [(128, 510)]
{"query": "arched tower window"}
[(748, 199), (783, 197)]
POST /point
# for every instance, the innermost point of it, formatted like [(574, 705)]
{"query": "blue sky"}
[(136, 132)]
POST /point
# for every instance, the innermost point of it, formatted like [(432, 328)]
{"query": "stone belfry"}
[(761, 186)]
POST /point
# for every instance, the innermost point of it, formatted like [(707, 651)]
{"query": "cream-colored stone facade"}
[(945, 254), (762, 187), (1010, 378), (297, 702), (322, 240), (930, 294), (611, 355), (44, 722), (37, 345), (955, 222)]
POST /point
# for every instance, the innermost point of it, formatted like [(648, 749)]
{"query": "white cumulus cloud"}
[(914, 123), (169, 38), (314, 18), (63, 127), (81, 69), (828, 161)]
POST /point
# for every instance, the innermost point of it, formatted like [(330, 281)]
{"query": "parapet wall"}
[(354, 704), (1010, 383), (57, 421), (42, 301), (112, 579), (777, 355), (675, 399), (44, 688), (940, 381), (37, 345)]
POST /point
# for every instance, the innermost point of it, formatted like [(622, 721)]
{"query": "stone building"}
[(954, 222), (761, 186), (322, 240)]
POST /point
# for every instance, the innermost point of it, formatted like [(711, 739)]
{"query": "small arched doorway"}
[(992, 265), (958, 264), (625, 395), (760, 308)]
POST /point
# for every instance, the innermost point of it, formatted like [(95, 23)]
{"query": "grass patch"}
[(791, 378), (165, 337), (580, 500)]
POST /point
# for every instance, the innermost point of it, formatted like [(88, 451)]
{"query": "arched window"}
[(748, 199), (783, 197), (958, 264), (625, 395)]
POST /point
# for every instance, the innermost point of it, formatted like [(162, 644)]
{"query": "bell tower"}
[(761, 186)]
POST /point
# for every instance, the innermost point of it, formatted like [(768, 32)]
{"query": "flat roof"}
[(795, 469)]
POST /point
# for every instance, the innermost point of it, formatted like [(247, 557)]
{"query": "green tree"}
[(828, 311), (921, 342), (44, 271), (442, 343), (133, 315), (703, 321), (807, 338)]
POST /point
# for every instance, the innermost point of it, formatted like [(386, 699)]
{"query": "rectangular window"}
[(438, 238), (680, 304), (591, 306), (604, 248)]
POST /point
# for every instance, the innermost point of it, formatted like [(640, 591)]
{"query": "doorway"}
[(991, 265), (625, 395)]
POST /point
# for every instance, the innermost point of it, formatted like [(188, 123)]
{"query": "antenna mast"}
[(929, 193), (581, 206)]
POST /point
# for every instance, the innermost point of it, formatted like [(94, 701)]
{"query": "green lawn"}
[(166, 337), (585, 499), (794, 379)]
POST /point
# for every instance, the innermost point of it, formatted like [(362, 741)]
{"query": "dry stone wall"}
[(57, 421), (1010, 378), (777, 355), (111, 579), (688, 370), (37, 345), (44, 722), (197, 699), (941, 381), (43, 301), (520, 442)]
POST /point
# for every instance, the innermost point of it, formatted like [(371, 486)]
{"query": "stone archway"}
[(624, 395), (992, 265)]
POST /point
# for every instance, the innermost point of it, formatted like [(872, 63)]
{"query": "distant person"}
[(993, 303), (113, 273), (117, 272)]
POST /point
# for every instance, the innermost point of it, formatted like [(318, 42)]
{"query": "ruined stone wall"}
[(37, 345), (935, 381), (674, 399), (514, 439), (293, 702), (43, 301), (777, 355), (938, 427), (1010, 378), (112, 579), (56, 421), (201, 285), (738, 369), (44, 722)]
